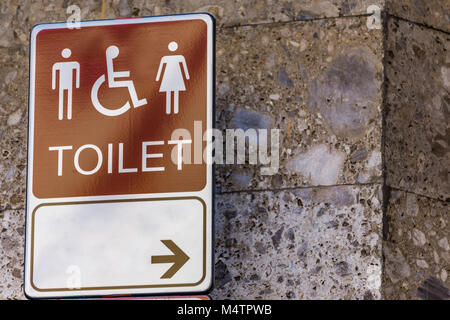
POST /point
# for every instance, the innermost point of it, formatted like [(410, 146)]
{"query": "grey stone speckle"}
[(304, 16), (396, 266), (444, 275), (422, 263), (290, 295), (345, 93), (412, 208), (342, 197), (241, 179), (283, 78), (254, 277), (222, 275), (260, 248), (277, 237), (10, 77), (10, 174), (342, 268), (302, 252), (333, 224), (244, 119), (230, 214), (15, 117), (443, 243), (318, 164), (359, 155), (419, 238), (445, 76), (124, 8), (291, 235)]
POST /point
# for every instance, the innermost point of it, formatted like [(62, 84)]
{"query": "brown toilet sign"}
[(115, 204)]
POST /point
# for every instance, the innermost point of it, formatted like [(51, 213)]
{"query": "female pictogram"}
[(172, 80)]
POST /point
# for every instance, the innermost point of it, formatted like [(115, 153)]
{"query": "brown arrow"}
[(179, 258)]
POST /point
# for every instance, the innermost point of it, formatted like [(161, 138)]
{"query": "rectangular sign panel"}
[(119, 188)]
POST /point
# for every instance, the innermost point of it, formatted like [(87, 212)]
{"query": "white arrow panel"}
[(104, 245)]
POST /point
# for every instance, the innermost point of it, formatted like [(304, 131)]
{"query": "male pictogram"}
[(65, 82), (172, 80)]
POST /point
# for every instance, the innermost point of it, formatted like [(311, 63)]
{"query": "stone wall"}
[(431, 13), (300, 233), (417, 158), (345, 97), (416, 250)]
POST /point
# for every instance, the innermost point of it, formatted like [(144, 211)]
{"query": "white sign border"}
[(207, 194)]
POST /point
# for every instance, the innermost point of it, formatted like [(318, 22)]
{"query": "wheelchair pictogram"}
[(112, 52)]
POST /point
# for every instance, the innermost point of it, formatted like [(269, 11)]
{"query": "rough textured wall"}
[(417, 109), (309, 243), (306, 232), (318, 81), (287, 235), (417, 159), (433, 13), (417, 249), (12, 238), (244, 12)]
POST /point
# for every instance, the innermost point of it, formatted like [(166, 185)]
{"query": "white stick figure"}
[(111, 53), (172, 80), (65, 81)]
